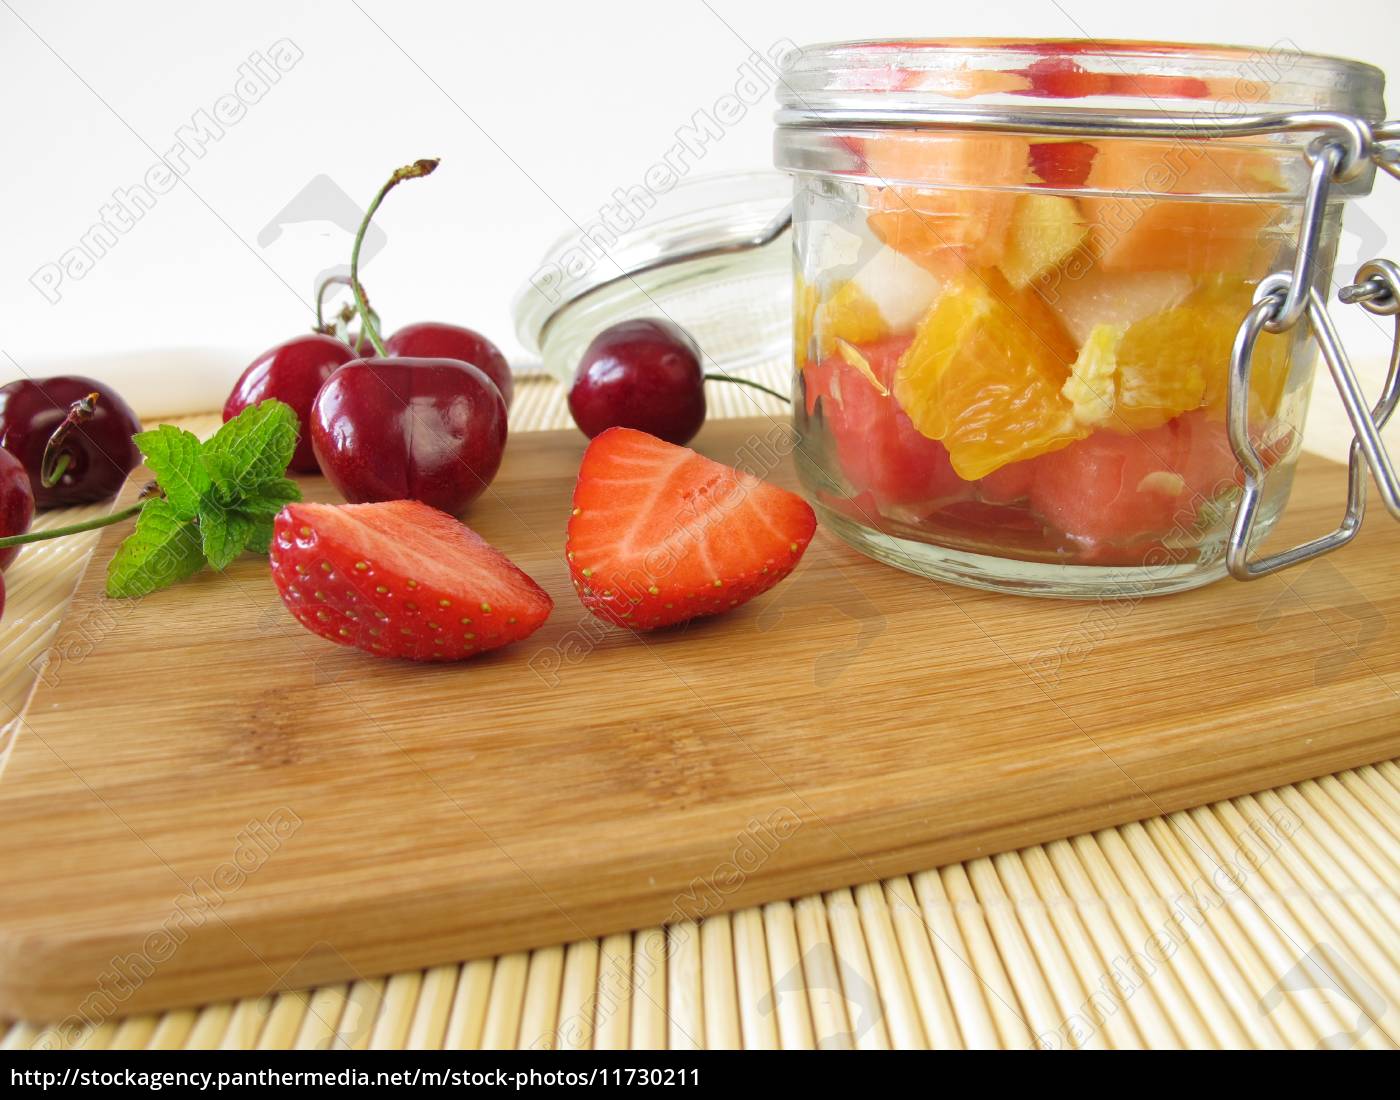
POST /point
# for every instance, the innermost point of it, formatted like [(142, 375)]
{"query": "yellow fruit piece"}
[(1044, 230), (859, 363), (804, 310), (850, 314), (984, 375), (1225, 300)]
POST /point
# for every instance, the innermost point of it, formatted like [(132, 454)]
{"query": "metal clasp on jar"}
[(1280, 302)]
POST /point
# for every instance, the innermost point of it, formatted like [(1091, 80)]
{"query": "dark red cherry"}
[(16, 506), (99, 453), (642, 374), (292, 372), (360, 345), (435, 340), (409, 429)]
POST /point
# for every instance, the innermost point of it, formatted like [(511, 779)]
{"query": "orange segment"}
[(850, 314), (1133, 231), (1136, 377), (984, 375), (1225, 301), (1124, 379), (943, 212)]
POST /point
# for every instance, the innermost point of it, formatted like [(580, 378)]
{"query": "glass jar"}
[(1020, 269)]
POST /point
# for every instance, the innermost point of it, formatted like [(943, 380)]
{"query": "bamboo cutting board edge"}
[(36, 951)]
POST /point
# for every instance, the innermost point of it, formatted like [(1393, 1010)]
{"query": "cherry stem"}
[(55, 461), (72, 529), (328, 281), (367, 325), (345, 316), (748, 382)]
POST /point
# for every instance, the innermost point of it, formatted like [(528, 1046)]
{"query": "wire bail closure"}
[(1280, 302)]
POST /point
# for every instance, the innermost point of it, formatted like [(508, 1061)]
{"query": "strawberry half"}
[(660, 534), (400, 579)]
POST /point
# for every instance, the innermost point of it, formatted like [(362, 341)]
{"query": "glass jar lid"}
[(708, 254), (1051, 74)]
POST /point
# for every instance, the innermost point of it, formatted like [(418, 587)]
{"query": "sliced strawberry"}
[(400, 579), (660, 534)]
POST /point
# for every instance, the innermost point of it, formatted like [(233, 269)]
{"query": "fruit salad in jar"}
[(1012, 350)]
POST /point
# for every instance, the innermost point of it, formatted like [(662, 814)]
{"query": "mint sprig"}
[(217, 498)]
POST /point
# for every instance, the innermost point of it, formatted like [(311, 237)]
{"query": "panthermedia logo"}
[(318, 221)]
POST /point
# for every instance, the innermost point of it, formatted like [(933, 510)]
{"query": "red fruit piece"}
[(1112, 488), (1064, 78), (400, 579), (644, 374), (877, 445), (431, 430), (16, 504), (1009, 484), (100, 452), (435, 340), (660, 534), (292, 372), (1062, 163)]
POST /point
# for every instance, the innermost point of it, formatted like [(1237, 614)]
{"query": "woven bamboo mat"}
[(1271, 920)]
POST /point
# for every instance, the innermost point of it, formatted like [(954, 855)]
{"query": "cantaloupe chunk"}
[(937, 202), (1141, 225)]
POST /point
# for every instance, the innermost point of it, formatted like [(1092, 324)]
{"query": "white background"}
[(539, 110)]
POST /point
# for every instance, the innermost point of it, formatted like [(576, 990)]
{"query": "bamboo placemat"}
[(1271, 920)]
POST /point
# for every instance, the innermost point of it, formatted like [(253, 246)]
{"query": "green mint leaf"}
[(250, 450), (163, 549), (223, 532), (267, 499), (260, 538), (172, 454)]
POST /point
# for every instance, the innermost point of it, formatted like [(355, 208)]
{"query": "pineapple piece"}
[(1044, 230)]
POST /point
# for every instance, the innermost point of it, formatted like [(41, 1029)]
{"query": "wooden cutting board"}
[(205, 801)]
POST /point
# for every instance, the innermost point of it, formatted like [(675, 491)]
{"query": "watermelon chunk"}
[(879, 449), (1123, 489)]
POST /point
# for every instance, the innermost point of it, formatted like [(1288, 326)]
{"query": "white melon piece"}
[(1098, 298), (900, 288)]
